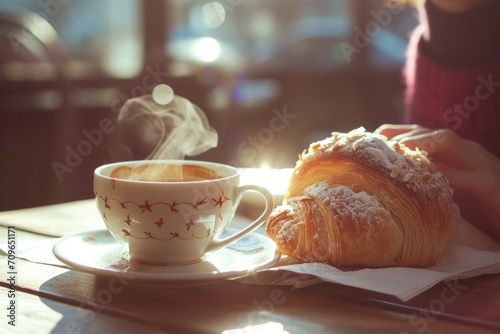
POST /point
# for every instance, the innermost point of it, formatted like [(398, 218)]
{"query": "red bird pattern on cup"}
[(148, 206)]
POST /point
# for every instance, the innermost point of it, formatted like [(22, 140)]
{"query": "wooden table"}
[(56, 299)]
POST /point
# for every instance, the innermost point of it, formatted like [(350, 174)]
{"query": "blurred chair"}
[(27, 37), (33, 61)]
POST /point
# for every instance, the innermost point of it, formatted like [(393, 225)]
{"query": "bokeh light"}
[(213, 14), (163, 94)]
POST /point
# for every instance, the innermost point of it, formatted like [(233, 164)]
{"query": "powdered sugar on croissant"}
[(357, 199)]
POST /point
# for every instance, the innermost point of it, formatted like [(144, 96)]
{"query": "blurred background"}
[(271, 77)]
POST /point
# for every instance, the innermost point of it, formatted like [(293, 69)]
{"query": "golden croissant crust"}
[(358, 199)]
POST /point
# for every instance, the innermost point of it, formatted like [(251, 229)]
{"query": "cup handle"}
[(219, 243)]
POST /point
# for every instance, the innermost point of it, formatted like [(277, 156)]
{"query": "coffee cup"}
[(172, 212)]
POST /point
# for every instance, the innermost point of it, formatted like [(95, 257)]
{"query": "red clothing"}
[(458, 92)]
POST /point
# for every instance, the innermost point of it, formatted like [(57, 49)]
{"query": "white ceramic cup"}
[(173, 221)]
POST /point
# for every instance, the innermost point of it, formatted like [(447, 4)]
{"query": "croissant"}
[(357, 199)]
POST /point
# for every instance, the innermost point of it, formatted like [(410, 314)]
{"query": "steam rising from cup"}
[(171, 123)]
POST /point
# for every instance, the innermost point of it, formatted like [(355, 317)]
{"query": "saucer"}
[(97, 252)]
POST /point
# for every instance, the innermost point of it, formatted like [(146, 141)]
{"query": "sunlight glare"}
[(276, 180), (267, 328), (207, 49)]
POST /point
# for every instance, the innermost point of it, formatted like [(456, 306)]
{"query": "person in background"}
[(453, 94)]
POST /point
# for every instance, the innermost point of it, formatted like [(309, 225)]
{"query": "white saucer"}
[(99, 253)]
